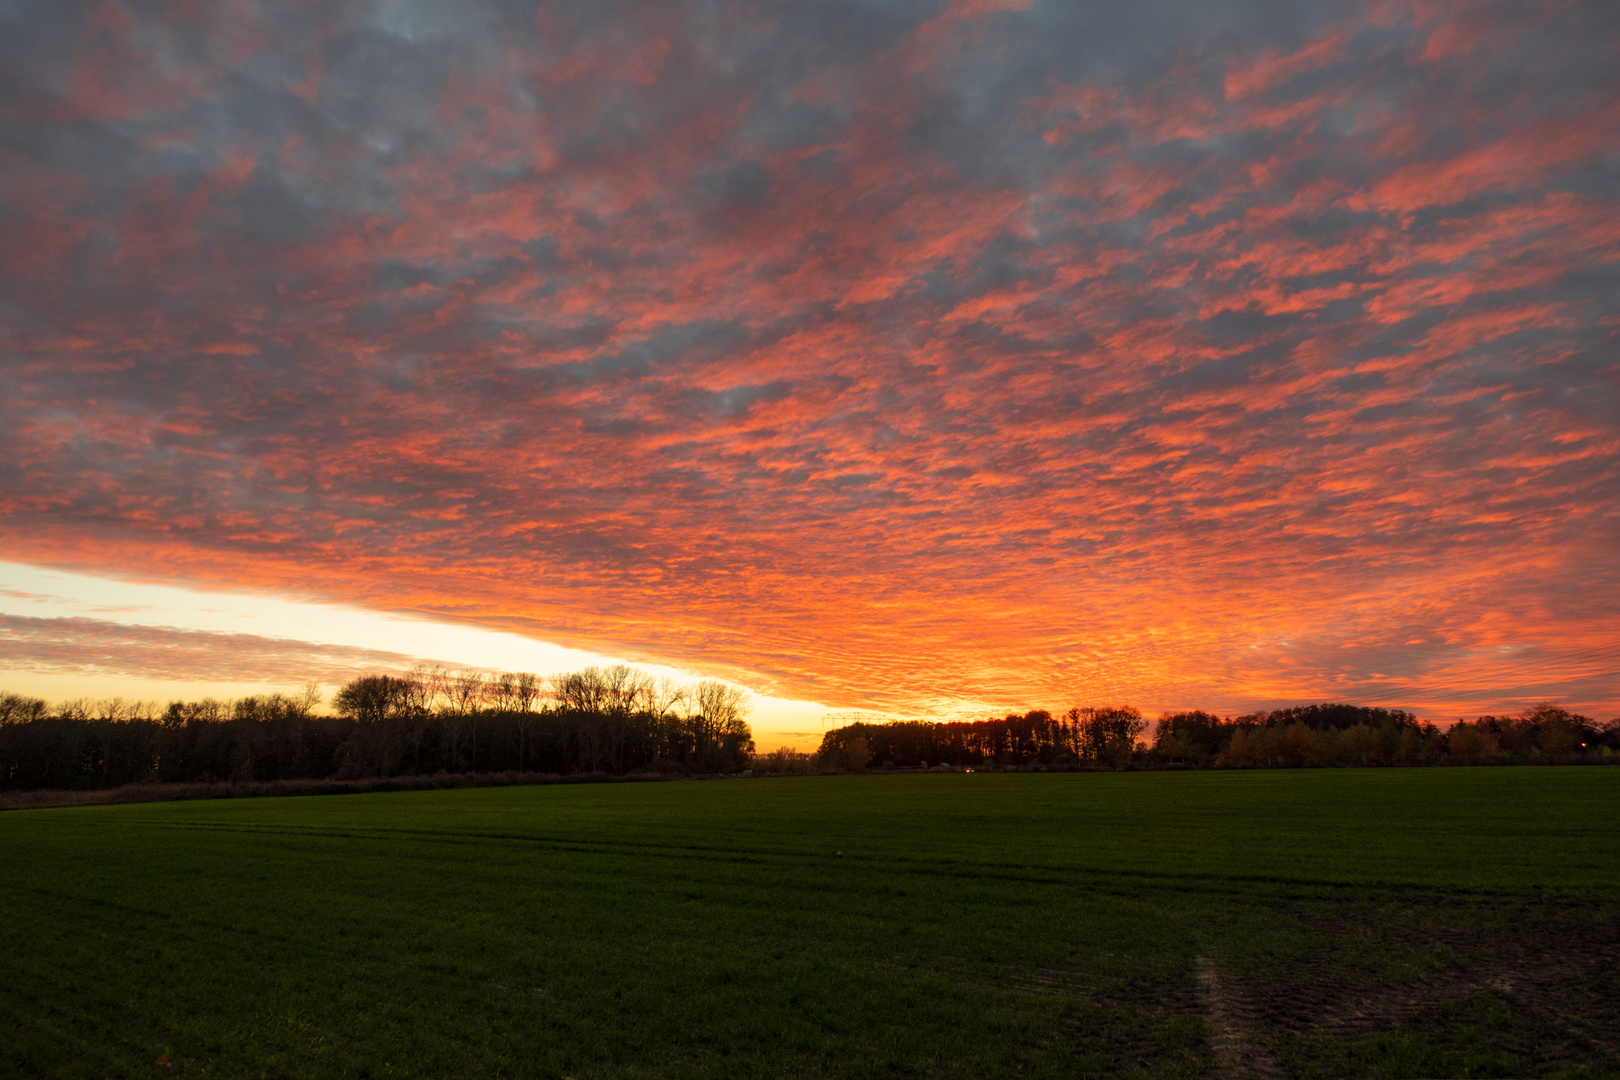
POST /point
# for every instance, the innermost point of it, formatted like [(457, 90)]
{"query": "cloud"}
[(94, 647), (899, 355)]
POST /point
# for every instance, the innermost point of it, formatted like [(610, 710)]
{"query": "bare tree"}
[(664, 701), (306, 700), (625, 688), (665, 697), (499, 690), (434, 681), (16, 709), (114, 709), (527, 691), (719, 725), (465, 691), (584, 691), (719, 702)]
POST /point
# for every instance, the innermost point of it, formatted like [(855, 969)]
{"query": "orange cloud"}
[(876, 361)]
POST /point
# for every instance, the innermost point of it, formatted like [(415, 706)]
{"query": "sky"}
[(927, 359)]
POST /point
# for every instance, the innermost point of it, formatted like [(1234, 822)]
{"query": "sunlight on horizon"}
[(36, 592)]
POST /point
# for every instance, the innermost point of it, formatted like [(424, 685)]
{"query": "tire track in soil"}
[(1230, 1018), (1548, 960), (1551, 962)]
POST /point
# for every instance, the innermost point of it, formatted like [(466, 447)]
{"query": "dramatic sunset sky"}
[(919, 357)]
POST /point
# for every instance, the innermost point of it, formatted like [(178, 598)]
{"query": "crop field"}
[(1458, 922)]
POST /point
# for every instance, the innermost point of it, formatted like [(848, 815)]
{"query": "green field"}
[(1322, 922)]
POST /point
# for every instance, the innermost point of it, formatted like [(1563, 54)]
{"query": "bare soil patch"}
[(1530, 980)]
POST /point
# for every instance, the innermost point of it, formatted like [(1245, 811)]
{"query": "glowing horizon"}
[(75, 635), (925, 359)]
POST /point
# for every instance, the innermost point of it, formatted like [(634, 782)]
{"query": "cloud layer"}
[(909, 355), (94, 647)]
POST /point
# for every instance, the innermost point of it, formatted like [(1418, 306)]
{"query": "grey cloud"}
[(702, 210), (96, 647)]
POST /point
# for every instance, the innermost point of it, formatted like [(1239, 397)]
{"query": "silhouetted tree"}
[(618, 719)]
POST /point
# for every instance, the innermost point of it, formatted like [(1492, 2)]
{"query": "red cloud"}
[(911, 374), (1270, 70)]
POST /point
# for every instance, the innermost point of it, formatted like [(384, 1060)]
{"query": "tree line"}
[(1326, 734), (1108, 734), (617, 720), (427, 721)]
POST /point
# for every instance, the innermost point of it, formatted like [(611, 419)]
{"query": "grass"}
[(1317, 923)]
